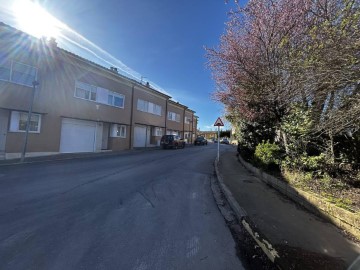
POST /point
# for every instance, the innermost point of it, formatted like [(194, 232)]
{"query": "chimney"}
[(147, 84), (114, 69), (52, 42)]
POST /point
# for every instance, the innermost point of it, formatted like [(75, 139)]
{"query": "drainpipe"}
[(166, 113), (184, 125), (192, 127), (131, 116), (146, 134)]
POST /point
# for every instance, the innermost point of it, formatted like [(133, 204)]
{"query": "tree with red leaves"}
[(249, 64), (279, 53)]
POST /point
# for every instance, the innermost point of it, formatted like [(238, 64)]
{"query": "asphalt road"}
[(138, 210)]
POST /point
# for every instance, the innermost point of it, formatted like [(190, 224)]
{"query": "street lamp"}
[(34, 84)]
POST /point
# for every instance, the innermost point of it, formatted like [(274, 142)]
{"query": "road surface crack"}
[(146, 198)]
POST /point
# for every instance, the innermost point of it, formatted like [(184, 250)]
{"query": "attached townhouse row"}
[(79, 106)]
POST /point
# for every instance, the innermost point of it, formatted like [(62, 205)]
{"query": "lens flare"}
[(31, 18), (34, 20)]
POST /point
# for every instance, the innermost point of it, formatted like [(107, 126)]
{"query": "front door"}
[(4, 115), (105, 136)]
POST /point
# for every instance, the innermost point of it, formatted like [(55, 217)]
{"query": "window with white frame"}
[(85, 91), (172, 132), (187, 120), (142, 105), (18, 122), (173, 116), (146, 106), (118, 130), (157, 131), (116, 100), (17, 72), (99, 94), (157, 109)]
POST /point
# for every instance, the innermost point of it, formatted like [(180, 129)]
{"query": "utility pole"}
[(34, 83)]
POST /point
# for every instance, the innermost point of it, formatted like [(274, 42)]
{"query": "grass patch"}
[(324, 186), (344, 203)]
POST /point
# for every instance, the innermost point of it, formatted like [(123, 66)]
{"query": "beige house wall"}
[(188, 127), (55, 99), (173, 125), (149, 120), (118, 144), (145, 118), (58, 86), (47, 140)]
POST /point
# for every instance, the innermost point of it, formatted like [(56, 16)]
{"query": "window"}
[(19, 119), (157, 110), (157, 131), (146, 106), (23, 74), (99, 94), (85, 91), (173, 116), (172, 132), (187, 120), (151, 108), (17, 72), (142, 105), (118, 131), (5, 70), (116, 100)]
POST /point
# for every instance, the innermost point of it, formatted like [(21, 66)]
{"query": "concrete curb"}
[(243, 218), (239, 211), (345, 220)]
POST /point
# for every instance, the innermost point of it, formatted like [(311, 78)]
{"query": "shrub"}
[(267, 154), (305, 163), (313, 163)]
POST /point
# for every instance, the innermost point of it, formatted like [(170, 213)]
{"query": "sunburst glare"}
[(36, 21)]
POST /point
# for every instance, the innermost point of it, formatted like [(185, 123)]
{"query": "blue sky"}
[(161, 40)]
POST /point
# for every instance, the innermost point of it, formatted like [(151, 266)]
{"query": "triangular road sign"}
[(218, 123)]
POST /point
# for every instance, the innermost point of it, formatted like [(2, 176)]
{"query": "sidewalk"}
[(56, 157), (66, 156), (300, 240)]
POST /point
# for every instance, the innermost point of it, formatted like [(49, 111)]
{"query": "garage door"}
[(139, 136), (77, 136)]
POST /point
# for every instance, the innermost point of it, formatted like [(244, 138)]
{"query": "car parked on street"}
[(172, 141), (200, 140), (224, 141)]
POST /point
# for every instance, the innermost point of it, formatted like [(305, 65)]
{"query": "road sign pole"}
[(218, 141), (218, 123)]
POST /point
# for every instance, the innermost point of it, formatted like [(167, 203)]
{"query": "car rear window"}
[(168, 137)]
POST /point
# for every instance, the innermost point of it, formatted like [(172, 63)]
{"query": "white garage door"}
[(77, 136), (139, 136)]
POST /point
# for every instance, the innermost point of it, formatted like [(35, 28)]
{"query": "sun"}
[(34, 20)]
